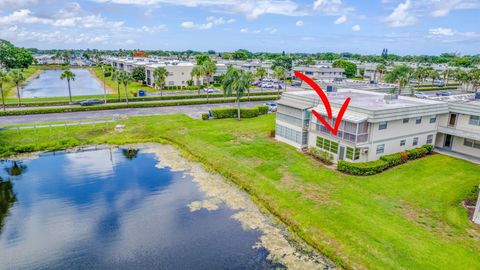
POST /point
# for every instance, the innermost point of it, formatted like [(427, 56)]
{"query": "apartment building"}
[(321, 72), (375, 124), (178, 74), (459, 130)]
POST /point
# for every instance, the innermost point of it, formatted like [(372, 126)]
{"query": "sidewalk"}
[(472, 159)]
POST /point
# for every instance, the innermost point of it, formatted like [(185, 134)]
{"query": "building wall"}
[(178, 75), (463, 123), (458, 146), (398, 129), (393, 145)]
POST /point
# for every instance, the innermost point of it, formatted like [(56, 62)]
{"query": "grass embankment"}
[(9, 87), (408, 217)]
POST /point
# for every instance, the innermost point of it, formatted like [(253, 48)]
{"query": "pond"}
[(49, 84), (117, 208)]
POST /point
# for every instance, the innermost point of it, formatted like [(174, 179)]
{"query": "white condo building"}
[(377, 124)]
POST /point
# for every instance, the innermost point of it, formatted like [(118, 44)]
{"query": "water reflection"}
[(15, 168), (130, 153), (94, 210), (7, 199)]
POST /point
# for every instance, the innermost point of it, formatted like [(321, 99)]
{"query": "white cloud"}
[(402, 15), (342, 19), (448, 35), (441, 32), (331, 7), (268, 30), (7, 5), (440, 8), (211, 21), (251, 9), (356, 28), (299, 23)]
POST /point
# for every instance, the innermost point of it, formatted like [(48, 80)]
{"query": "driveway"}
[(193, 111)]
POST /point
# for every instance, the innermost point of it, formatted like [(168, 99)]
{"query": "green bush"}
[(249, 113), (416, 153), (233, 113), (262, 110), (393, 159), (321, 155), (429, 148), (205, 116), (24, 148), (362, 168)]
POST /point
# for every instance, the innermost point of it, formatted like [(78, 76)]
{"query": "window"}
[(471, 143), (429, 139), (433, 119), (289, 134), (406, 120), (382, 125), (353, 153), (403, 142), (474, 120), (328, 145), (418, 120), (415, 141), (380, 149)]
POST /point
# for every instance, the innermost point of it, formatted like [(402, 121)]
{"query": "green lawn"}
[(408, 217)]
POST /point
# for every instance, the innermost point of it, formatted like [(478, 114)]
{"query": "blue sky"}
[(402, 26)]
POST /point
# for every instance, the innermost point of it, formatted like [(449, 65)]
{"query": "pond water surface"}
[(49, 84), (115, 209)]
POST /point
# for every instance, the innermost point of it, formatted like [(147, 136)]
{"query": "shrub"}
[(429, 148), (232, 113), (321, 155), (362, 168), (404, 156), (416, 153), (249, 113), (262, 110), (205, 116), (393, 159), (24, 148)]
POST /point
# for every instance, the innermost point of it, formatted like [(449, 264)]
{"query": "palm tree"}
[(196, 73), (279, 73), (115, 75), (3, 78), (433, 74), (381, 69), (446, 75), (69, 76), (261, 73), (209, 68), (399, 75), (474, 78), (17, 77), (160, 76), (236, 82), (125, 78)]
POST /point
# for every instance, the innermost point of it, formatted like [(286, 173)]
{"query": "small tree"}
[(3, 78), (236, 83), (69, 76), (209, 68), (279, 73), (399, 75), (197, 72), (138, 74), (18, 78), (115, 78), (160, 76), (261, 73), (125, 78)]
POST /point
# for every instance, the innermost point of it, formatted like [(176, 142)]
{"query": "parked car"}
[(209, 90), (91, 102), (296, 83), (438, 83), (267, 85), (420, 95), (444, 93), (272, 106)]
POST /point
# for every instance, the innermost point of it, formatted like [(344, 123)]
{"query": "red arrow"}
[(317, 89), (326, 103)]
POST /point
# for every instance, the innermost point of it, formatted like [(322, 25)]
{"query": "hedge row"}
[(387, 161), (131, 105), (431, 85), (244, 113), (9, 150), (134, 99), (321, 155), (435, 88)]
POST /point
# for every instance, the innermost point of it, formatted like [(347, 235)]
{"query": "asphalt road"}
[(193, 111)]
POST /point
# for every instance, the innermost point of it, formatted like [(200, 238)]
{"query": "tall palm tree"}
[(160, 76), (474, 78), (261, 73), (209, 68), (446, 75), (115, 76), (196, 73), (279, 73), (69, 76), (18, 78), (236, 82), (433, 74), (125, 78), (3, 78)]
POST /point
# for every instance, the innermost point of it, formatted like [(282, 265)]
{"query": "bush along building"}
[(377, 124)]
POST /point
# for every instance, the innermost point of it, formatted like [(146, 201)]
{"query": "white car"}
[(267, 85), (209, 90), (420, 95)]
